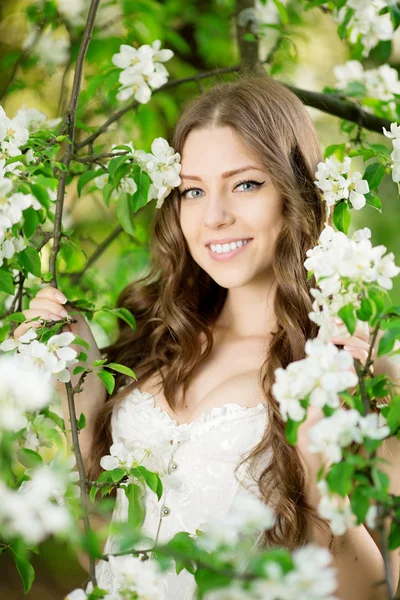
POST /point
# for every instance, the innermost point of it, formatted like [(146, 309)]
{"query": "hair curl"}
[(177, 300)]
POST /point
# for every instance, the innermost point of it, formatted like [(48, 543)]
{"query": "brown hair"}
[(177, 300)]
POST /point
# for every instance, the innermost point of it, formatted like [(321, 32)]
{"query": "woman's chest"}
[(230, 374)]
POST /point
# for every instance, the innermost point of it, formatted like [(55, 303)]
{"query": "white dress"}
[(200, 458)]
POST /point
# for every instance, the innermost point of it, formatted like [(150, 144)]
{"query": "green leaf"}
[(337, 149), (107, 379), (339, 478), (25, 570), (29, 458), (347, 314), (30, 260), (374, 174), (117, 474), (152, 480), (124, 314), (386, 342), (341, 216), (6, 282), (81, 421), (394, 536), (81, 342), (139, 198), (124, 213), (360, 503), (78, 369), (365, 311), (395, 15), (41, 194), (283, 13), (86, 177), (291, 431), (136, 510), (97, 363), (107, 191), (117, 162), (19, 317), (121, 369), (31, 221), (374, 201)]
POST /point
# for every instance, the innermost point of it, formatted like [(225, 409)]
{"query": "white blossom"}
[(143, 70), (313, 576), (136, 578), (381, 83), (247, 515), (22, 390), (320, 377), (366, 22), (342, 267), (49, 48), (52, 358), (33, 511), (335, 509), (332, 177), (163, 167), (338, 431), (394, 135)]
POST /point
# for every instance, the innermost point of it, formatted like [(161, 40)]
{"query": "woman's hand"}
[(50, 304), (357, 344)]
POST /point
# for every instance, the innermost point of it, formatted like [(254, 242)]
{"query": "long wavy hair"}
[(177, 301)]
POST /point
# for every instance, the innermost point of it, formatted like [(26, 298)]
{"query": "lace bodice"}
[(196, 461)]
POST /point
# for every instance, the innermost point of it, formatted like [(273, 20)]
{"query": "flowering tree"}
[(44, 490)]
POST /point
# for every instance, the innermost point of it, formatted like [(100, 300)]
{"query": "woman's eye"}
[(251, 183), (256, 184), (183, 193)]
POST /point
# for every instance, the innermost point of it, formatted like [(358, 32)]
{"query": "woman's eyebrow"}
[(226, 174)]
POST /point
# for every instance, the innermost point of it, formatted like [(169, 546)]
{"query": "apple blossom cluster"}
[(14, 134), (311, 578), (133, 579), (37, 509), (20, 395), (143, 70), (343, 427), (365, 22), (336, 184), (337, 511), (381, 83), (320, 377), (48, 47), (338, 259), (163, 167), (394, 135), (248, 515), (52, 358)]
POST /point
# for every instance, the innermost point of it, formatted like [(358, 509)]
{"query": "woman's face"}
[(231, 196)]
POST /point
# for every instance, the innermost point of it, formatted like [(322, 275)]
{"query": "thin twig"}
[(21, 58), (75, 277), (69, 124)]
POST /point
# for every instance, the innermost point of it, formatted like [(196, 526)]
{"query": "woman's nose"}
[(217, 211)]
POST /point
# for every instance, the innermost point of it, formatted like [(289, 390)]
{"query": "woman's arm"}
[(357, 557)]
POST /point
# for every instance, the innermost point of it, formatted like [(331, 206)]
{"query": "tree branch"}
[(328, 103), (248, 49), (69, 125)]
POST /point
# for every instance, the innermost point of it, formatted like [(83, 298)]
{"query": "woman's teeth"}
[(219, 248)]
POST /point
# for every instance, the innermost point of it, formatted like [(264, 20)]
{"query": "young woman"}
[(213, 323)]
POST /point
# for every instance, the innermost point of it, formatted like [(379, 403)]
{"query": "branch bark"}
[(248, 49)]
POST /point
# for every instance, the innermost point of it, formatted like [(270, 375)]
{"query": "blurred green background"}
[(201, 34)]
